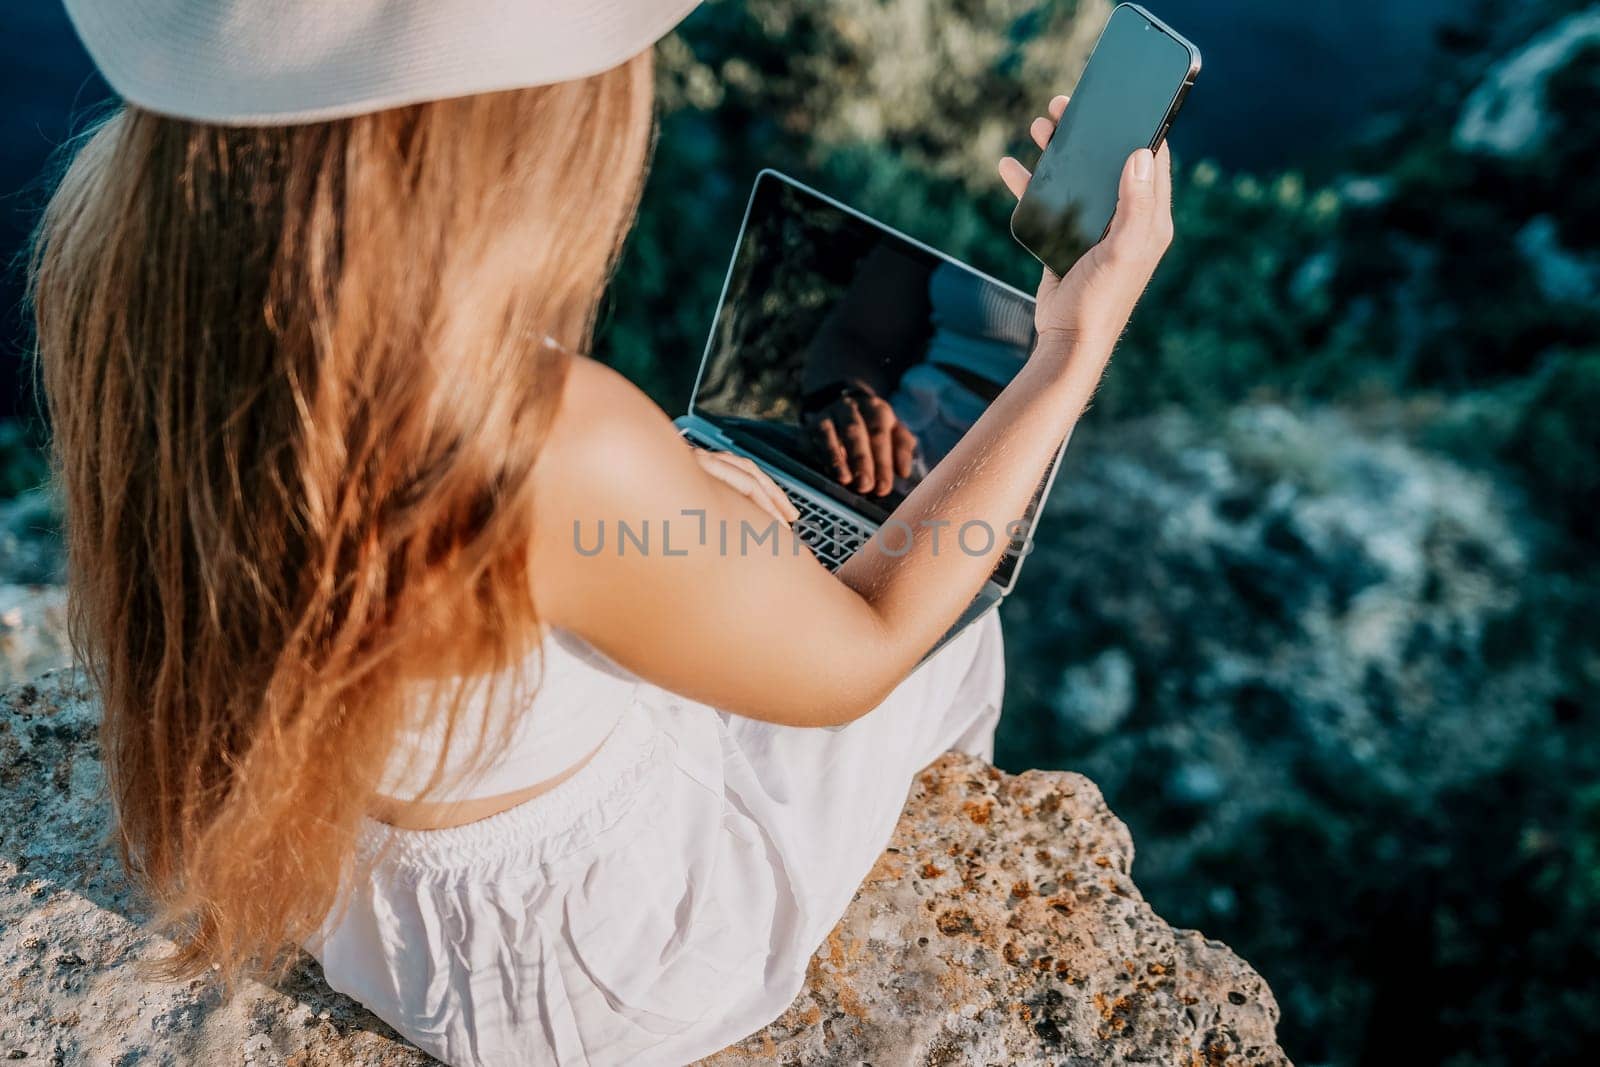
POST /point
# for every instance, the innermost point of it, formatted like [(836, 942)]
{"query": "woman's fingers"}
[(880, 424), (1041, 130), (1136, 204), (742, 475), (782, 505), (835, 449), (745, 486), (1163, 222), (858, 442), (1015, 175), (905, 449)]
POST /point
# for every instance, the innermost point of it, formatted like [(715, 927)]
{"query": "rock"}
[(1001, 925), (1195, 785), (31, 552), (70, 940), (33, 604), (1505, 115), (1560, 273), (1290, 595), (1097, 696), (33, 631)]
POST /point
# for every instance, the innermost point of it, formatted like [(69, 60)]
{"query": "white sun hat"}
[(276, 62)]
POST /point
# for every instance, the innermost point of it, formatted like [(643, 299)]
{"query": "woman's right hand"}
[(1085, 311)]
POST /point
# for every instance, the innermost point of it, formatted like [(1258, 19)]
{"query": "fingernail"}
[(1144, 164)]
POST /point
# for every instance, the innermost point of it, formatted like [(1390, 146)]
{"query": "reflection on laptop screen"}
[(837, 336)]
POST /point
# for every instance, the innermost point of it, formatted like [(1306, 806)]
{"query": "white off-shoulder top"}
[(550, 716)]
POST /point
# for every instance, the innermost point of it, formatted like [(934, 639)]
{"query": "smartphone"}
[(1134, 83)]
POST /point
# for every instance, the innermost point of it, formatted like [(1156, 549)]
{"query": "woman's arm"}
[(707, 595)]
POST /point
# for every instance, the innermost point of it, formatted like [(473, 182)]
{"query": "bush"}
[(1556, 443)]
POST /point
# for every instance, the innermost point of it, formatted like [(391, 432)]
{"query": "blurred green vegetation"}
[(1555, 443), (23, 463)]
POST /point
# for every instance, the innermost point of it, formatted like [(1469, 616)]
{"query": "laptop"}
[(826, 316)]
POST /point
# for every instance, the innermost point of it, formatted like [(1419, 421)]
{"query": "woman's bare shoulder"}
[(594, 391), (608, 439)]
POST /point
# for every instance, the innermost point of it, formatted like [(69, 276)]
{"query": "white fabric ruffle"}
[(664, 901)]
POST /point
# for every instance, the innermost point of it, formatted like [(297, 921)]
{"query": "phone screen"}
[(1130, 85)]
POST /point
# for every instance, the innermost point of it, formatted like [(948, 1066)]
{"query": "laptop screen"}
[(851, 356)]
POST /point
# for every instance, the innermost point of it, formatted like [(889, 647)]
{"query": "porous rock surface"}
[(33, 631), (33, 602), (1000, 926)]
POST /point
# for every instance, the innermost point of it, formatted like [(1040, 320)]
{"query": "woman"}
[(312, 312)]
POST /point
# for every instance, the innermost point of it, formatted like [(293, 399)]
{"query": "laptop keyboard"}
[(831, 537)]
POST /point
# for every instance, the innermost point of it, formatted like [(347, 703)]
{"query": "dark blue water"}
[(47, 79), (1283, 84), (1286, 83)]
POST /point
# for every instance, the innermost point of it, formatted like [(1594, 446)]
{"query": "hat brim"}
[(281, 62)]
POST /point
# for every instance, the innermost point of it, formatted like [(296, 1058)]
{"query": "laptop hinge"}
[(703, 429)]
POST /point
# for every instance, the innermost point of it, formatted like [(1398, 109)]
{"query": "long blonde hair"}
[(298, 379)]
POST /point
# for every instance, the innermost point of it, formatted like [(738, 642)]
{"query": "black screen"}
[(1130, 83), (828, 318)]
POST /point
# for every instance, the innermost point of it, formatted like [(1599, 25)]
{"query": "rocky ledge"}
[(1000, 926)]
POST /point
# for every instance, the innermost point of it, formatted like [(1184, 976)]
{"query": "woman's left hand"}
[(749, 480), (1087, 308)]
